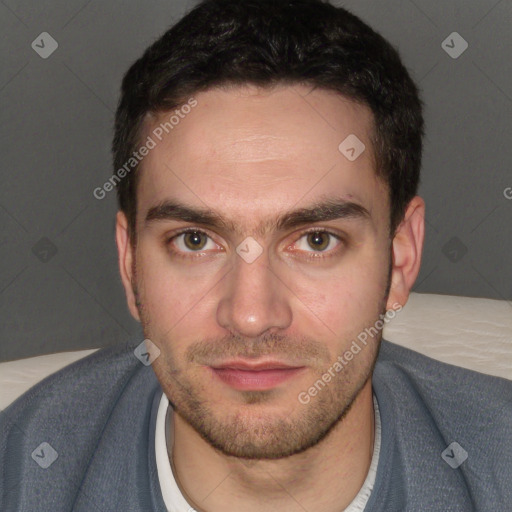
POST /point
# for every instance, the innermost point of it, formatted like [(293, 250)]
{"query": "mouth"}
[(246, 376)]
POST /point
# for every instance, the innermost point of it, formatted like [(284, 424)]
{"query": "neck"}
[(325, 477)]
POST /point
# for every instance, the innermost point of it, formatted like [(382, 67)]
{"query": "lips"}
[(244, 375)]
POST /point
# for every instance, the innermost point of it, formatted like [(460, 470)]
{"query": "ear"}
[(125, 257), (406, 254)]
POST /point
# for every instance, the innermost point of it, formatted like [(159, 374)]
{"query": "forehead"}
[(250, 152)]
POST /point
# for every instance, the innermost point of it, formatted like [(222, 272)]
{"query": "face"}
[(285, 261)]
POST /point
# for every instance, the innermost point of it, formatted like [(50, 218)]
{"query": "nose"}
[(254, 300)]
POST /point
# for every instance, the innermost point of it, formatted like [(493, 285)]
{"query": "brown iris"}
[(318, 240), (193, 240)]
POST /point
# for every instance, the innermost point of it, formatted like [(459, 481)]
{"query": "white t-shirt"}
[(174, 500)]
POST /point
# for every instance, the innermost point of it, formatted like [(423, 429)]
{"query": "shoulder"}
[(444, 417), (441, 379), (448, 388), (96, 401), (99, 377)]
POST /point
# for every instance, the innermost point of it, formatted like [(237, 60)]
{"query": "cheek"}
[(161, 290), (346, 300), (174, 295)]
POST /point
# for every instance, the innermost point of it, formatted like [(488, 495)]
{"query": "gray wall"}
[(59, 284)]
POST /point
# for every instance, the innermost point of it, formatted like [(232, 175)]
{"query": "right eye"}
[(190, 241)]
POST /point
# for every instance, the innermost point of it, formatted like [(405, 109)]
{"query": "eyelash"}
[(316, 255)]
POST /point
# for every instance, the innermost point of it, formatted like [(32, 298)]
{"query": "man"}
[(267, 158)]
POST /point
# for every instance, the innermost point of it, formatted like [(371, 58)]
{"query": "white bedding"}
[(469, 332)]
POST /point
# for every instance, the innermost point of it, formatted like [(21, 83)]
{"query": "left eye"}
[(319, 241)]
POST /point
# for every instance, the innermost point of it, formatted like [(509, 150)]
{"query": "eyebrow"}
[(321, 211)]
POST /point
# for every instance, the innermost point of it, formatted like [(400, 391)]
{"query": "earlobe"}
[(125, 259), (406, 253)]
